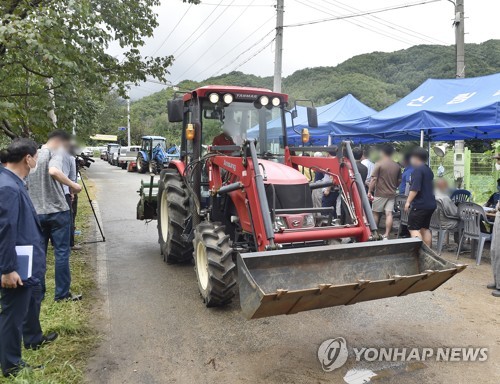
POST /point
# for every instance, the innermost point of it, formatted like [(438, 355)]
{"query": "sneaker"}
[(491, 286), (71, 297), (76, 247)]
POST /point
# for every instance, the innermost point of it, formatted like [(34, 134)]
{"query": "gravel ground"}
[(156, 329)]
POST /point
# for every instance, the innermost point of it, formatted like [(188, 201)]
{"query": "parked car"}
[(112, 149), (126, 155), (104, 155), (87, 152)]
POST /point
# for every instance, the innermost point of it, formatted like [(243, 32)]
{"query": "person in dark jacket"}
[(20, 300)]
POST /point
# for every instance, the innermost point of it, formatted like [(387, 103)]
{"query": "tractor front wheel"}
[(142, 165), (173, 213), (214, 265)]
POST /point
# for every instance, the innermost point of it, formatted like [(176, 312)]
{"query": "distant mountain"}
[(378, 79)]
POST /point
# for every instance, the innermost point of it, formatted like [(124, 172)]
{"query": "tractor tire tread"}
[(222, 283)]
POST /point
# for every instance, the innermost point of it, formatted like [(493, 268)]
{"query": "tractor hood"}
[(280, 174)]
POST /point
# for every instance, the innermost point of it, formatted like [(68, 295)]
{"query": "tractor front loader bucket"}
[(301, 279)]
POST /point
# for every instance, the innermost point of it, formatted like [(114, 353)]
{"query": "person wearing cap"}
[(495, 244)]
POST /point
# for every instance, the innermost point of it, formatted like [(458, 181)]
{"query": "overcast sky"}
[(213, 39)]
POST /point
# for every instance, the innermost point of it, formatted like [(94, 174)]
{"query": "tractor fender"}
[(145, 155), (177, 164)]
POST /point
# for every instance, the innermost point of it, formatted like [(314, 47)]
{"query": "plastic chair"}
[(471, 215), (438, 217), (399, 204), (461, 196)]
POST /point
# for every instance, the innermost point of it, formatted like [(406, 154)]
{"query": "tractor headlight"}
[(214, 98), (228, 98), (264, 100), (279, 222), (276, 101), (308, 221)]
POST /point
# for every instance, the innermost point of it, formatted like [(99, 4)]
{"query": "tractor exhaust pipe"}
[(362, 191)]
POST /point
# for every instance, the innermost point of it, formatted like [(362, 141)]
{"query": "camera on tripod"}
[(83, 161)]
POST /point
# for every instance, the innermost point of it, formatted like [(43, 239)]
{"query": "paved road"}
[(158, 330)]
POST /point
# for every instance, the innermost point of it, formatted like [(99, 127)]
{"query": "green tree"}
[(54, 53)]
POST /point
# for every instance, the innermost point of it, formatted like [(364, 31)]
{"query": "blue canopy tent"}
[(344, 109), (439, 110)]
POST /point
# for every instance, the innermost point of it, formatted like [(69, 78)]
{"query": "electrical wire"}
[(369, 28), (343, 17), (387, 23), (172, 31), (235, 47), (197, 28), (215, 41), (205, 30), (241, 5), (239, 56), (254, 55)]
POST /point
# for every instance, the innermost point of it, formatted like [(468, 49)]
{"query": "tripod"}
[(93, 211)]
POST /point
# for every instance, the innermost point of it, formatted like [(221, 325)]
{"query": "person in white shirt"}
[(368, 164)]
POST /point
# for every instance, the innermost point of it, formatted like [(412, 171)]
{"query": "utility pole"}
[(128, 119), (458, 23), (278, 59), (460, 37)]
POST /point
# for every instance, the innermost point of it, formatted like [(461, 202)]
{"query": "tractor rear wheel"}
[(214, 265), (173, 213), (142, 165)]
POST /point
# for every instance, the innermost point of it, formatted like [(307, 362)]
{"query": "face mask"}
[(497, 166), (33, 169)]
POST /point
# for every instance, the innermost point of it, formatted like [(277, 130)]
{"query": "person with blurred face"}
[(47, 194), (20, 299), (384, 183), (495, 244), (450, 218), (494, 198), (421, 202)]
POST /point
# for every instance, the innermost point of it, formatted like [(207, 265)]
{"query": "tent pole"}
[(429, 151), (422, 138)]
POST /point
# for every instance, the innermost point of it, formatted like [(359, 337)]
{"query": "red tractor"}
[(240, 205)]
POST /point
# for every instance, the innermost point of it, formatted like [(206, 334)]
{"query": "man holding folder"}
[(22, 259)]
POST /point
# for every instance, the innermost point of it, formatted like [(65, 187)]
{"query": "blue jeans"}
[(56, 227)]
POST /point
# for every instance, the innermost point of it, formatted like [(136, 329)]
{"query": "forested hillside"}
[(378, 79)]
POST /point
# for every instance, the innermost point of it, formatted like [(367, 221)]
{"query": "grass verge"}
[(65, 359)]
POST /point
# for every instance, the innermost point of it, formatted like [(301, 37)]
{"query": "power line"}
[(235, 47), (248, 49), (199, 26), (216, 41), (343, 17), (172, 31), (254, 55), (240, 5), (367, 27), (205, 30), (387, 23)]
